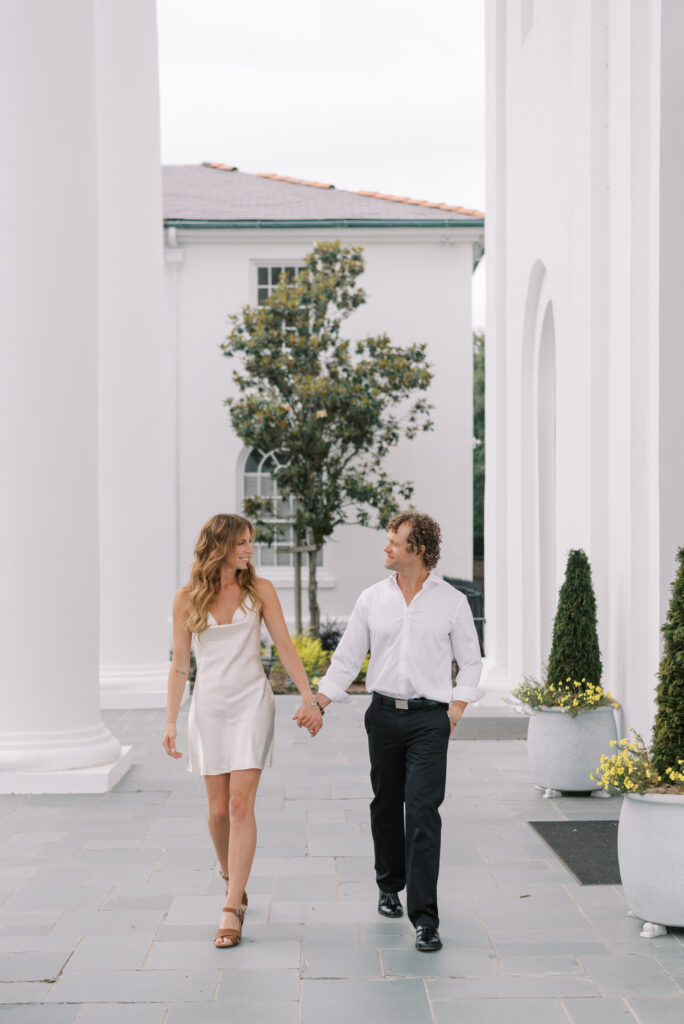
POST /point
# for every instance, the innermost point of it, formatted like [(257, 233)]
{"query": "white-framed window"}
[(259, 478), (269, 274)]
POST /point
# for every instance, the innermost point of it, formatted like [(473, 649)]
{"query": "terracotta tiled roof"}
[(422, 202), (293, 181), (206, 193)]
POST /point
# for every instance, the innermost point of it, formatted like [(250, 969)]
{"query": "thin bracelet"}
[(314, 703)]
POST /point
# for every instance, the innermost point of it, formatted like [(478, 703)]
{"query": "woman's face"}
[(241, 554)]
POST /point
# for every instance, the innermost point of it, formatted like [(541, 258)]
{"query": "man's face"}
[(397, 556)]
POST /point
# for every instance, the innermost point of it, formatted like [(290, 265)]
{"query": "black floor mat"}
[(587, 848)]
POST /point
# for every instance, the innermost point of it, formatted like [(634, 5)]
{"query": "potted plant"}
[(651, 827), (572, 721)]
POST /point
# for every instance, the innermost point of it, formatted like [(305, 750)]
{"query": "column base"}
[(99, 779), (125, 687), (495, 683)]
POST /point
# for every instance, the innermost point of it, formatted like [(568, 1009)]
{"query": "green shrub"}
[(330, 634), (667, 749), (575, 653)]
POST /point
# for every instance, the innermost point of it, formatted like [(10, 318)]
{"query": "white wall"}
[(419, 289), (574, 215)]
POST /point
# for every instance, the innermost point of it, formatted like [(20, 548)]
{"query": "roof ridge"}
[(218, 167), (292, 181), (421, 202)]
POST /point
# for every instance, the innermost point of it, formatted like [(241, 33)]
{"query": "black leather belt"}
[(414, 704)]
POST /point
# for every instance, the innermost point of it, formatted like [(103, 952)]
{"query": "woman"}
[(230, 729)]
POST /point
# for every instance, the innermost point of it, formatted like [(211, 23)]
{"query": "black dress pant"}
[(408, 756)]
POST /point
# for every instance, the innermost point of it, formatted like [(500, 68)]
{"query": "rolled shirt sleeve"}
[(466, 650), (349, 654)]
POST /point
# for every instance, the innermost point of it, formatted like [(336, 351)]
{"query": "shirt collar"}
[(431, 578)]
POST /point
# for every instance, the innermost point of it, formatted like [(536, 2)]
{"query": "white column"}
[(671, 306), (51, 735), (496, 675), (135, 511)]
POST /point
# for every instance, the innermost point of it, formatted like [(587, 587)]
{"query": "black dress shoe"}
[(427, 938), (389, 905)]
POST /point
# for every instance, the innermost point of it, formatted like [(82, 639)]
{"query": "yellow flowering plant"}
[(361, 677), (631, 770), (314, 658), (572, 696)]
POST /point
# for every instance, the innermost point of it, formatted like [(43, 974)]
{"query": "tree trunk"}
[(298, 583), (314, 610)]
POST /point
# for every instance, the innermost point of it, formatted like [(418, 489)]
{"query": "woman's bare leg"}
[(218, 818), (243, 837), (241, 791)]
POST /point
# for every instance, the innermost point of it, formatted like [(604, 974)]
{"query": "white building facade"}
[(585, 359), (228, 235)]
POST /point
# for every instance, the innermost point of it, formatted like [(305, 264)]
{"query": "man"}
[(414, 624)]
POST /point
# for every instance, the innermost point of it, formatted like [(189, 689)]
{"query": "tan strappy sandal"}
[(245, 901), (233, 935)]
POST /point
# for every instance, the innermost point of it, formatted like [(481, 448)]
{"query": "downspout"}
[(174, 261)]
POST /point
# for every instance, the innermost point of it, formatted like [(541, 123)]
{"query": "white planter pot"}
[(650, 845), (565, 751)]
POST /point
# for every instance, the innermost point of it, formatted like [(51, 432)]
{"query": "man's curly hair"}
[(424, 532)]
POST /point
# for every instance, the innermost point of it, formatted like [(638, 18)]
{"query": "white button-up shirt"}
[(412, 646)]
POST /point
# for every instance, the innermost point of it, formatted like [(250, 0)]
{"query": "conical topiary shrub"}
[(667, 748), (575, 653)]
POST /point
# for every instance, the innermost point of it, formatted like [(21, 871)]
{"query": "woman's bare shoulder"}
[(264, 587), (182, 597)]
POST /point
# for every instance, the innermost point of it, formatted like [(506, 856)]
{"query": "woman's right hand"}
[(169, 741)]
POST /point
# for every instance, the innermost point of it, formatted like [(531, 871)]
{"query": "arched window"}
[(260, 479)]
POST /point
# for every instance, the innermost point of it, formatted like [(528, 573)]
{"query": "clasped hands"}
[(309, 716)]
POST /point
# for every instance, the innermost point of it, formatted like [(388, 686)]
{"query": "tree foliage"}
[(668, 732), (331, 408), (575, 653)]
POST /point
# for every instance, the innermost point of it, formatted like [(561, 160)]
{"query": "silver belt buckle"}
[(402, 705)]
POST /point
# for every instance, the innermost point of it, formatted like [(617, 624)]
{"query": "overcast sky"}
[(384, 95)]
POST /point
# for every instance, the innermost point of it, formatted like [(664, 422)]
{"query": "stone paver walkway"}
[(111, 900)]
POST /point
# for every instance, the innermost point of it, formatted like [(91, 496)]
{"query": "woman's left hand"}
[(309, 716)]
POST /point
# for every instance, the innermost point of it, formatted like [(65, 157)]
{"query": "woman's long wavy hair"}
[(218, 538)]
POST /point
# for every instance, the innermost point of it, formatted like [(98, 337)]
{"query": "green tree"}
[(330, 408), (479, 443), (668, 731), (575, 653)]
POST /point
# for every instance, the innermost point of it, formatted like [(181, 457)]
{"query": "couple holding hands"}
[(413, 623)]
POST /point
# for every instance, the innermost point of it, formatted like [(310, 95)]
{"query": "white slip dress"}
[(230, 726)]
